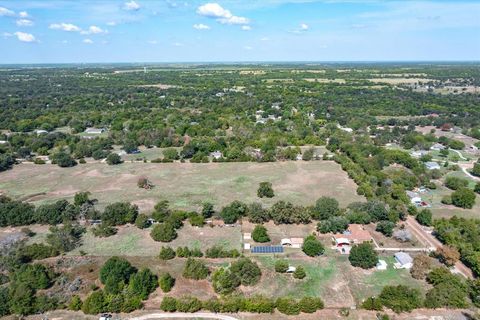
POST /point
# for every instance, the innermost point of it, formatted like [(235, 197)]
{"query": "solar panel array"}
[(267, 249)]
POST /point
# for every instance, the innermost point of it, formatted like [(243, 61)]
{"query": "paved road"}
[(181, 315), (431, 241)]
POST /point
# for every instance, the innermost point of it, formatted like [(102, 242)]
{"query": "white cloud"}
[(93, 30), (25, 37), (88, 41), (23, 14), (111, 23), (65, 27), (265, 39), (201, 26), (304, 26), (131, 6), (6, 12), (153, 42), (178, 44), (24, 23), (224, 16), (246, 28), (248, 48), (7, 34)]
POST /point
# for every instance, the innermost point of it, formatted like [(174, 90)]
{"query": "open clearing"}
[(185, 185)]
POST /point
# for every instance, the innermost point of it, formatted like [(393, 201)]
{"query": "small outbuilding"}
[(381, 265), (247, 236), (431, 165)]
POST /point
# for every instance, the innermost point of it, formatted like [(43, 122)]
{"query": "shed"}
[(381, 265), (246, 246), (247, 236), (291, 269), (404, 260)]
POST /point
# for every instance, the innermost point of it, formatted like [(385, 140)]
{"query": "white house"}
[(437, 147), (431, 165), (247, 236), (40, 131), (414, 197), (381, 265), (403, 260), (95, 130), (418, 153), (216, 154)]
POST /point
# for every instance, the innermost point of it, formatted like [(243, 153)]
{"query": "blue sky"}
[(248, 30)]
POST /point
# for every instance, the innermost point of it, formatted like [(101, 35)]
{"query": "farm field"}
[(185, 185)]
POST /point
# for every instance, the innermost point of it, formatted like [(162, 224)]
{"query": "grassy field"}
[(131, 241), (185, 185)]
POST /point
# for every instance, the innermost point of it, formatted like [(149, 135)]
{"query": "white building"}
[(431, 165), (403, 260), (216, 154), (381, 265), (437, 147), (94, 130)]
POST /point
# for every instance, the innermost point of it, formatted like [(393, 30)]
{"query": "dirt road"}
[(430, 241), (181, 315)]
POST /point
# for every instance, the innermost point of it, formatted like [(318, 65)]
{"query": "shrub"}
[(422, 264), (260, 234), (38, 251), (169, 304), (196, 220), (310, 304), (115, 273), (312, 246), (385, 227), (372, 303), (119, 213), (166, 282), (143, 283), (448, 255), (142, 221), (455, 183), (281, 266), (287, 306), (185, 252), (164, 232), (218, 252), (325, 207), (207, 210), (63, 159), (104, 231), (265, 190), (75, 303), (424, 217), (299, 273), (463, 198), (224, 281), (195, 269), (247, 270), (400, 298), (95, 303), (477, 188), (188, 304), (363, 256), (113, 159), (167, 253)]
